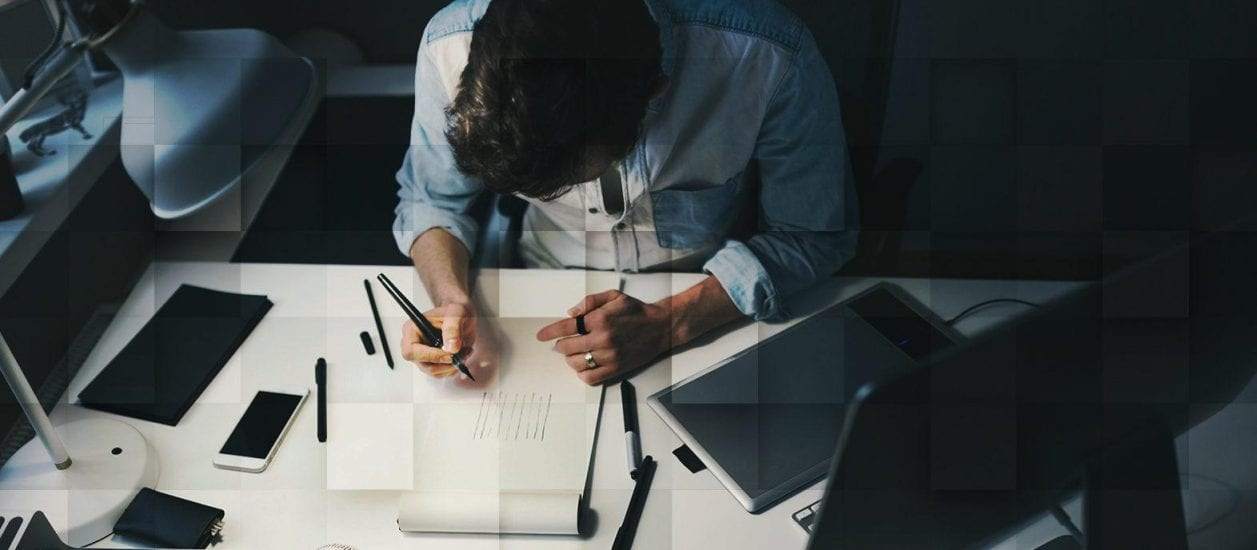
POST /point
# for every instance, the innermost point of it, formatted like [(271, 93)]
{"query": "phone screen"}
[(261, 424)]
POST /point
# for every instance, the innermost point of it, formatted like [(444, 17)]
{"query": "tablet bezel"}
[(772, 496)]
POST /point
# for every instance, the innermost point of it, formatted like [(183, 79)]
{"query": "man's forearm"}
[(442, 262), (699, 310)]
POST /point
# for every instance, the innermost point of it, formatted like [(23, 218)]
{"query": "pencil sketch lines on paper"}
[(513, 416)]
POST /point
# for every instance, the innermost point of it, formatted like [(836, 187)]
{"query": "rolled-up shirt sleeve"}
[(433, 193), (808, 215)]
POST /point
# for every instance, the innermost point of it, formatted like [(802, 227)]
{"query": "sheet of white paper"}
[(527, 430), (523, 440)]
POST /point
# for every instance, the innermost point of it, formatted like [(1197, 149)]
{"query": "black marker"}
[(429, 331), (320, 378), (632, 441), (628, 529)]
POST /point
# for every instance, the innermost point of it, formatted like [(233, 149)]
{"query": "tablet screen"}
[(775, 412), (899, 323)]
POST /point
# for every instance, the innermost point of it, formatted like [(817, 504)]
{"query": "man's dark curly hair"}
[(550, 87)]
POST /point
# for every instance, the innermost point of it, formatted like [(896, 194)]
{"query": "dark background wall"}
[(334, 202), (388, 31), (1035, 139), (1065, 138)]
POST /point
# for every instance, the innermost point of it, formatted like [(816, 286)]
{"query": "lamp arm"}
[(61, 63), (30, 405)]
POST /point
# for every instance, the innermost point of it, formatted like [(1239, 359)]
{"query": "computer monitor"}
[(968, 449)]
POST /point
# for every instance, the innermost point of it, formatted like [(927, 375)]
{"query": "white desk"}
[(319, 311)]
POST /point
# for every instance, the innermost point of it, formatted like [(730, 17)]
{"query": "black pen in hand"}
[(426, 328)]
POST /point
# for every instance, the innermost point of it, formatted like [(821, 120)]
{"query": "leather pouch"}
[(169, 522)]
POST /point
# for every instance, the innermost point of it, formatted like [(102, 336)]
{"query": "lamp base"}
[(111, 461)]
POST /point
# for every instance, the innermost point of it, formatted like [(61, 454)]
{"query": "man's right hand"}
[(442, 260), (457, 323)]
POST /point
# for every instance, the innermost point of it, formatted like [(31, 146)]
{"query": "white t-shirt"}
[(576, 231)]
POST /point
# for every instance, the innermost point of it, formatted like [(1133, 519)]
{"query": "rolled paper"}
[(548, 513)]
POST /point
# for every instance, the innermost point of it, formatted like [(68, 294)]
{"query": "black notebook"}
[(161, 371)]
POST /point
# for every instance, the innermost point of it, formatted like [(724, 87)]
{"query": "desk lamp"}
[(201, 111)]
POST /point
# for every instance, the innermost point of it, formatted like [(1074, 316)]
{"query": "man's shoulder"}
[(459, 16), (765, 19)]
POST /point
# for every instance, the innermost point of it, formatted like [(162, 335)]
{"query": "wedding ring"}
[(589, 360), (580, 325)]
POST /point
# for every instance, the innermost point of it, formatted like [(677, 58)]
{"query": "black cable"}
[(32, 70), (981, 305)]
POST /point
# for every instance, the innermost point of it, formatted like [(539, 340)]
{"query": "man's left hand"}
[(624, 334)]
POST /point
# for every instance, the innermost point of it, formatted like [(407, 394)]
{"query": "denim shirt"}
[(747, 88)]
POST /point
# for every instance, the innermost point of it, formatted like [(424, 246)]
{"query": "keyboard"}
[(806, 518)]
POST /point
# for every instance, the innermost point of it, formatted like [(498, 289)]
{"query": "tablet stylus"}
[(637, 502)]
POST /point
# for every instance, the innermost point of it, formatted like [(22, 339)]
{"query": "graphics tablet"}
[(766, 420)]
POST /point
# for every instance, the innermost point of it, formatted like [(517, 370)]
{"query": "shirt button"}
[(593, 210)]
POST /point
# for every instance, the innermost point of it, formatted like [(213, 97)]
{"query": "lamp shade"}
[(202, 108)]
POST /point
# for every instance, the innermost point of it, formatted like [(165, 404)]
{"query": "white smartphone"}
[(253, 442)]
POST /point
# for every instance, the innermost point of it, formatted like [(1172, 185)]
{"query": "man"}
[(635, 129)]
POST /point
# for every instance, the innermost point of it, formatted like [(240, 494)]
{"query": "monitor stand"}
[(1132, 497)]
